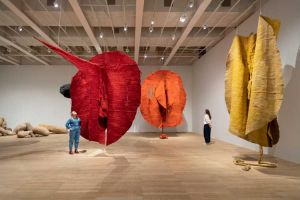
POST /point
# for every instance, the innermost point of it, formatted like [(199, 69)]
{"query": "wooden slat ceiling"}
[(63, 26)]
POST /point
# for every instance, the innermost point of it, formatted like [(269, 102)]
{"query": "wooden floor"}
[(138, 167)]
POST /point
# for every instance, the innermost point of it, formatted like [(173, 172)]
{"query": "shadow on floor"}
[(12, 156), (20, 142), (254, 157), (156, 135)]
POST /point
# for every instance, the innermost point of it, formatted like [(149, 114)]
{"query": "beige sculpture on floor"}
[(26, 130), (4, 131), (254, 84), (54, 129), (39, 130)]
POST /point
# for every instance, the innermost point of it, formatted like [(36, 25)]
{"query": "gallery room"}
[(149, 99)]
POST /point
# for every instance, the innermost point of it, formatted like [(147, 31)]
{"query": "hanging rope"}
[(59, 24)]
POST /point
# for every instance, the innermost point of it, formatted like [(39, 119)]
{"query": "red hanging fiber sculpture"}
[(163, 99), (105, 93)]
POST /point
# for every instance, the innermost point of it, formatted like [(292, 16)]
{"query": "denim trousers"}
[(74, 138)]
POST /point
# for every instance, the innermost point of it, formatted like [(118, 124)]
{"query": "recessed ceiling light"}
[(162, 58), (183, 18), (101, 35), (55, 4), (191, 3), (49, 50), (125, 27), (145, 56), (20, 28), (152, 22), (127, 50), (204, 27), (173, 36)]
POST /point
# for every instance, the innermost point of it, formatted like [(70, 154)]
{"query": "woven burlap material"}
[(163, 99), (254, 84)]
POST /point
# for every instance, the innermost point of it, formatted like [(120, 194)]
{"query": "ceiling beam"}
[(27, 20), (78, 11), (7, 60), (199, 12), (3, 39), (139, 9)]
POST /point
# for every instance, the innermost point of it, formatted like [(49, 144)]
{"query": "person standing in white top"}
[(207, 126)]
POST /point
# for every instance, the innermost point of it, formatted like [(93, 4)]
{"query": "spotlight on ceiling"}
[(151, 29), (52, 3), (49, 51), (183, 18), (191, 3), (204, 27), (162, 58), (152, 22), (127, 50), (173, 36), (145, 55), (20, 28), (125, 27), (101, 35), (55, 4)]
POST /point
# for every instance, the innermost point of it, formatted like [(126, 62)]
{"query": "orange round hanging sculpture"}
[(163, 99)]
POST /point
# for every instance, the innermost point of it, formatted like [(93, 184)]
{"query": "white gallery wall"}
[(208, 81), (31, 93)]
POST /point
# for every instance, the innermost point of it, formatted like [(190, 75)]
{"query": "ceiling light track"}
[(230, 25), (201, 28)]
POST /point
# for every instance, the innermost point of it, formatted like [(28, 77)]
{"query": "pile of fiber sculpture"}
[(105, 93), (163, 99), (54, 129), (4, 131), (254, 84)]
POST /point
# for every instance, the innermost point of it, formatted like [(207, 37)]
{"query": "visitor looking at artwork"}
[(207, 126), (73, 127)]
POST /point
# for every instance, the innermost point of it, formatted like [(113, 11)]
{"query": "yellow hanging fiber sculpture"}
[(254, 84)]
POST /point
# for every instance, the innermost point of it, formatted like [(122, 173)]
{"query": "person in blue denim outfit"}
[(73, 127)]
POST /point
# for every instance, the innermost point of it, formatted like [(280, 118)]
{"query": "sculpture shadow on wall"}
[(289, 125)]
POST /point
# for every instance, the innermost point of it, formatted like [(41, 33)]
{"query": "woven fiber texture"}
[(254, 84), (105, 93), (163, 99)]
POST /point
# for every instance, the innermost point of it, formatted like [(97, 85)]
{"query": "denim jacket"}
[(73, 124)]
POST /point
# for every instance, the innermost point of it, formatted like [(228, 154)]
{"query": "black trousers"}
[(206, 133)]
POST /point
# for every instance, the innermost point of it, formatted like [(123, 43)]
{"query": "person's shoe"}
[(76, 151), (70, 152)]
